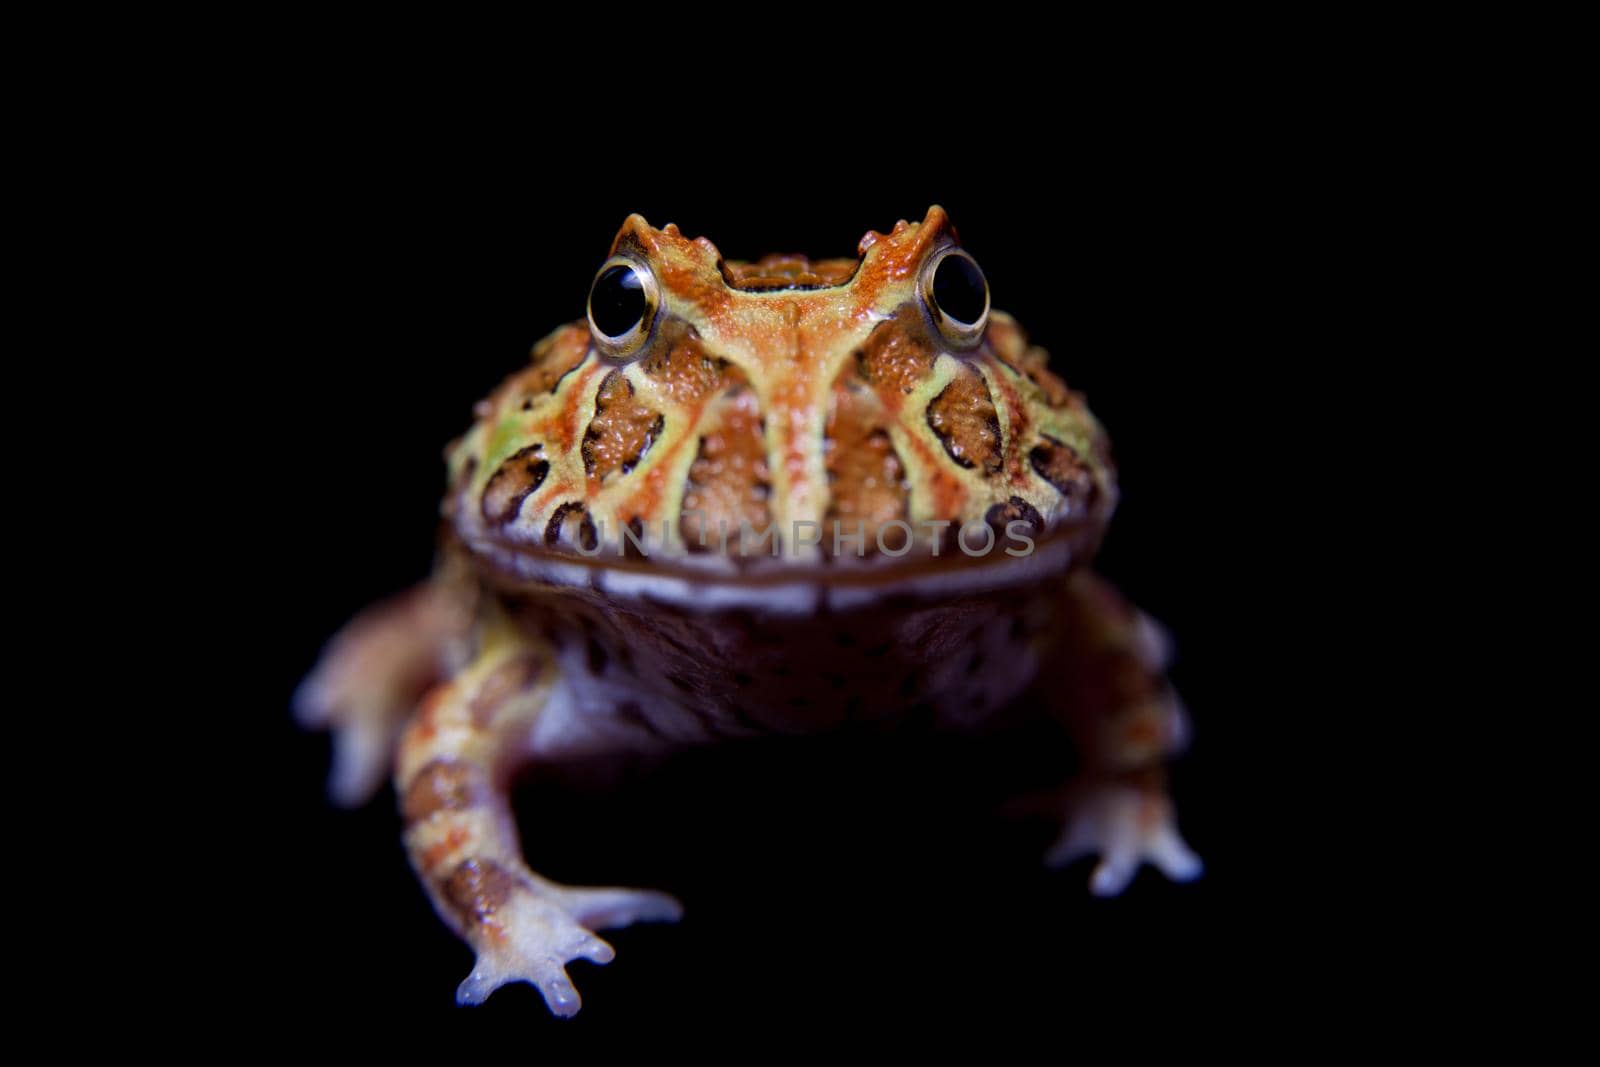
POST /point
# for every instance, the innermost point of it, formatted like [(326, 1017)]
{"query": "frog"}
[(740, 499)]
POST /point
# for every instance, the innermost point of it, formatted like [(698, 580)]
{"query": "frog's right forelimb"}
[(455, 762)]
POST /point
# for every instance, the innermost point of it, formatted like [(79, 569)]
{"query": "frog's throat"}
[(772, 586)]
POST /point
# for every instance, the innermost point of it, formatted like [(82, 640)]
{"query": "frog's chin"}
[(716, 583)]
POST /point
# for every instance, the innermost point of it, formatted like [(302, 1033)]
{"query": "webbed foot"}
[(530, 931), (1125, 824)]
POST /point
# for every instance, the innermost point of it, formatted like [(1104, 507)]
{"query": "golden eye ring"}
[(956, 295), (623, 303)]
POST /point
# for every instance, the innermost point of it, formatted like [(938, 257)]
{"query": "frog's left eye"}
[(956, 294), (622, 304)]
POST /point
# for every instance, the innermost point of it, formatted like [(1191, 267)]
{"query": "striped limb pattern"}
[(1111, 691), (455, 761)]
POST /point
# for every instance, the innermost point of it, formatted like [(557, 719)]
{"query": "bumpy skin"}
[(606, 584)]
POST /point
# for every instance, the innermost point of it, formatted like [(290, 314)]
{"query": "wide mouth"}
[(781, 585)]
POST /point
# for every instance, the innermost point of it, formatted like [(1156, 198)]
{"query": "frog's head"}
[(783, 431)]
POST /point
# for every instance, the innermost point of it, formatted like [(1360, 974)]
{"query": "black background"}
[(400, 268)]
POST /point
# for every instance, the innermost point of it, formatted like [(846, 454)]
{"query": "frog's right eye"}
[(956, 295), (622, 305)]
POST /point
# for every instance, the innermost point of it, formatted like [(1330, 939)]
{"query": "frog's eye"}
[(956, 295), (622, 304)]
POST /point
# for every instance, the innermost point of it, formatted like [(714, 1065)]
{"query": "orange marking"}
[(435, 854), (686, 268), (1017, 423), (898, 253), (428, 711), (647, 498), (570, 425), (949, 495)]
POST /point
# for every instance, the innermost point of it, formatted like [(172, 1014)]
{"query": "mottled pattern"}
[(729, 483), (963, 416), (866, 480), (683, 369), (788, 272), (898, 355), (477, 889), (443, 785), (1059, 465), (921, 434), (621, 430)]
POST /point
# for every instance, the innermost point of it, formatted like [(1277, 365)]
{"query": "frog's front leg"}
[(455, 763), (371, 675), (1111, 691)]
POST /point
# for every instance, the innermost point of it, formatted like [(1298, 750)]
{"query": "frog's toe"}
[(1125, 825), (364, 730), (532, 941), (608, 908), (361, 756), (549, 976)]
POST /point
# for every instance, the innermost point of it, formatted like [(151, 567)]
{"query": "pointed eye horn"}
[(623, 302), (956, 294)]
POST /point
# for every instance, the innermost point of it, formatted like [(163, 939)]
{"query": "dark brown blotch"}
[(443, 785), (521, 473), (477, 889), (964, 419), (727, 488), (555, 529), (897, 354), (867, 486), (1061, 466), (1014, 510), (621, 431), (684, 370)]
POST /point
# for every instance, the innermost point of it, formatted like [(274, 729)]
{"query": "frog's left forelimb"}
[(1110, 690), (455, 762), (371, 675)]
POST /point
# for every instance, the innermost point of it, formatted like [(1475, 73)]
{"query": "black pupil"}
[(617, 303), (958, 289)]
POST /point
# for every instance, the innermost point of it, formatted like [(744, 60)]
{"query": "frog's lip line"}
[(800, 589)]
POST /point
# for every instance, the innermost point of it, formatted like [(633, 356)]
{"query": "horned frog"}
[(738, 499)]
